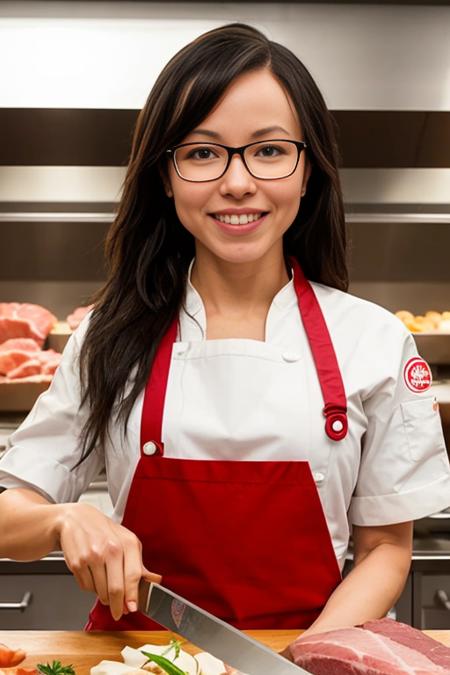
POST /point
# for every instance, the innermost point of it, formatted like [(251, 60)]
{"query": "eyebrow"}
[(255, 134)]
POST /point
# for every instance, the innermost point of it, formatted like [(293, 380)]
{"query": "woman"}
[(249, 412)]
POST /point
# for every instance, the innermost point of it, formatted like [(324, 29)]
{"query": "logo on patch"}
[(417, 374)]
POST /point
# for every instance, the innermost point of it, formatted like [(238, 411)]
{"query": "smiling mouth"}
[(242, 219)]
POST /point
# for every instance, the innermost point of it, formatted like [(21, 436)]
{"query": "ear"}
[(306, 175), (167, 184)]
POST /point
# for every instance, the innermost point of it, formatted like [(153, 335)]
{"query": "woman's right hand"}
[(103, 556)]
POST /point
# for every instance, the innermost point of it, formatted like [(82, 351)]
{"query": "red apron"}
[(245, 540)]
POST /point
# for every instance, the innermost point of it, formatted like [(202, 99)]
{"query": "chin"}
[(242, 255)]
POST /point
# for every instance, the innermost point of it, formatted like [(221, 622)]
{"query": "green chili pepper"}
[(165, 664)]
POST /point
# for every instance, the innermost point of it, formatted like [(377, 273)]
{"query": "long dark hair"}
[(147, 249)]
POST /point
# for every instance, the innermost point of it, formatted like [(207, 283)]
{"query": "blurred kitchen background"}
[(73, 77)]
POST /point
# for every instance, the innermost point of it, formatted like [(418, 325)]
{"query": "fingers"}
[(99, 581), (83, 578), (115, 578), (151, 576), (132, 574), (104, 557)]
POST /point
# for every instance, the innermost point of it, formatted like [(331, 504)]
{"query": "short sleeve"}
[(43, 450), (404, 471)]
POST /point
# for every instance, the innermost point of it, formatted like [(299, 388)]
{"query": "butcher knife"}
[(212, 634)]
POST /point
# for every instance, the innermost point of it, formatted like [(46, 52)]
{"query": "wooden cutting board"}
[(84, 650)]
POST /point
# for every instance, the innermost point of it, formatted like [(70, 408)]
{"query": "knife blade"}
[(212, 634)]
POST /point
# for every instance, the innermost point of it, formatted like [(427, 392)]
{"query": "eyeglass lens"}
[(206, 161)]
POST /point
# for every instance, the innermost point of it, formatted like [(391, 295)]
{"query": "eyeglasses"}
[(267, 160)]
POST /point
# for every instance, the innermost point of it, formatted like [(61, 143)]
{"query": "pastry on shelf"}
[(430, 322)]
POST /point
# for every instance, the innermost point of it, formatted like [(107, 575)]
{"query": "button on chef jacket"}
[(236, 398)]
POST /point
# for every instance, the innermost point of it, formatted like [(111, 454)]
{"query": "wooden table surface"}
[(84, 650)]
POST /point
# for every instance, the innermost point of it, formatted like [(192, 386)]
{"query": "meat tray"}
[(20, 396)]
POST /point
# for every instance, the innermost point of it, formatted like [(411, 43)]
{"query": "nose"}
[(237, 181)]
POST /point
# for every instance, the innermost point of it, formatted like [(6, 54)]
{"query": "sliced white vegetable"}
[(115, 668), (209, 665), (133, 657)]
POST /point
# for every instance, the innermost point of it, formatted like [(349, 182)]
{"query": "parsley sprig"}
[(175, 645), (55, 669)]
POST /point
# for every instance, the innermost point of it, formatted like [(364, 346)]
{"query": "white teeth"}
[(243, 219)]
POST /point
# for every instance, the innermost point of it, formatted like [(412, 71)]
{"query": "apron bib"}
[(245, 540)]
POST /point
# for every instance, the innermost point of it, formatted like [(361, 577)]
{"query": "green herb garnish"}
[(55, 669), (162, 662), (175, 645)]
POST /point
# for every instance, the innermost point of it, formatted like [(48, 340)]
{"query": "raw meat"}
[(38, 363), (26, 344), (16, 351), (77, 316), (50, 360), (32, 378), (30, 367), (22, 358), (413, 638), (24, 320), (355, 651)]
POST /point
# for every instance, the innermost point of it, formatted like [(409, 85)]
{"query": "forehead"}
[(253, 101)]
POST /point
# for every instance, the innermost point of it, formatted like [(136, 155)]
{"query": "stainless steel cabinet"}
[(51, 601), (432, 600)]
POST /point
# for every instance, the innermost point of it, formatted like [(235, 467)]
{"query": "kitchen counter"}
[(84, 650)]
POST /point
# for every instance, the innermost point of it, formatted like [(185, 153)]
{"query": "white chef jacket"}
[(247, 399)]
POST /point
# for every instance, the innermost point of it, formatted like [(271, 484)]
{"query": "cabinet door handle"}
[(22, 605), (442, 598)]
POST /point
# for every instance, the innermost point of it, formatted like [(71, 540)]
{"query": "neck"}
[(238, 289)]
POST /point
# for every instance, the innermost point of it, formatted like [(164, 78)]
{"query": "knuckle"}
[(131, 538), (132, 578), (112, 548), (94, 557), (79, 565), (115, 591)]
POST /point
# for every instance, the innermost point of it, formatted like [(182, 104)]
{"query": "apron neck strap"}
[(155, 391), (327, 367)]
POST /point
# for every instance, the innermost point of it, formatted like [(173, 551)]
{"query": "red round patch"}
[(417, 374)]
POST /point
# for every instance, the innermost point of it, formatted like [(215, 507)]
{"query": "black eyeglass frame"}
[(300, 145)]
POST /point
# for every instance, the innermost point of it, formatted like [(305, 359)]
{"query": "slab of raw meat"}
[(24, 320), (16, 351), (355, 651), (413, 638), (77, 316), (25, 344), (32, 378), (50, 360), (38, 363)]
